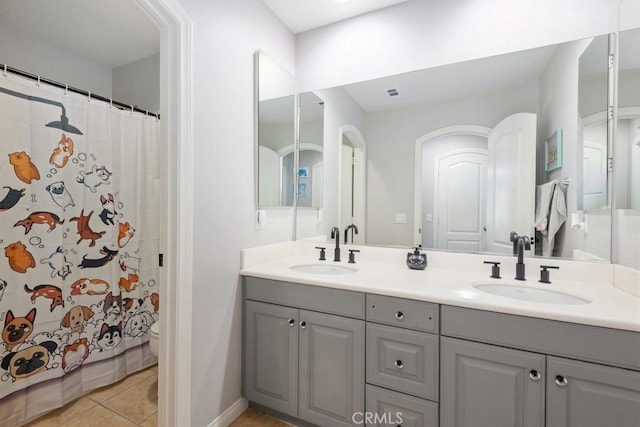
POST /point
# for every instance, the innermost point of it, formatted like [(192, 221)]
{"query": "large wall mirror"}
[(626, 181), (275, 133), (456, 157)]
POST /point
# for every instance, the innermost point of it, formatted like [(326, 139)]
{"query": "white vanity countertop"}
[(444, 281)]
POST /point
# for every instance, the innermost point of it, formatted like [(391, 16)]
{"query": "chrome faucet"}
[(335, 234), (520, 244), (346, 232)]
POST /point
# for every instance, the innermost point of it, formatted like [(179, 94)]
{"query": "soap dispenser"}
[(416, 260)]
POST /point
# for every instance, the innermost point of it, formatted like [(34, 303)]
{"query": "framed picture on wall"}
[(553, 151)]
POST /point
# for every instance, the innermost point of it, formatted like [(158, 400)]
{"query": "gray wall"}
[(138, 83)]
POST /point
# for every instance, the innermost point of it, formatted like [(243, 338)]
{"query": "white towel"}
[(544, 195), (557, 217)]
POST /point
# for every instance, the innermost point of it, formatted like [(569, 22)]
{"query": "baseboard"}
[(231, 413)]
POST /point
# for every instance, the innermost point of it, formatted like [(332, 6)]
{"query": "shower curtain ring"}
[(4, 72), (131, 112), (38, 81), (66, 88), (110, 102), (89, 96)]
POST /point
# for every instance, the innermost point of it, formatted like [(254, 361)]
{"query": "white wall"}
[(21, 50), (425, 33), (339, 110), (559, 110), (138, 83), (225, 36), (391, 137)]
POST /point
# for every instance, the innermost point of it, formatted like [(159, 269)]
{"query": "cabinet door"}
[(331, 369), (271, 356), (490, 386), (581, 394)]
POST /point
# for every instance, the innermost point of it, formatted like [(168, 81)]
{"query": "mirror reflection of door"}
[(478, 185), (352, 192), (459, 199), (269, 170), (511, 180)]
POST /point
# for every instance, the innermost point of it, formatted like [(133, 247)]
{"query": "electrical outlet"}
[(401, 218)]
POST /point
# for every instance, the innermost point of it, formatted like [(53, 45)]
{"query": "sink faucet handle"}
[(495, 270), (352, 255), (322, 253), (544, 273)]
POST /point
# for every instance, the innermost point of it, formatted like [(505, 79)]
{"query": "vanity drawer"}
[(403, 360), (590, 343), (314, 298), (404, 313), (390, 408)]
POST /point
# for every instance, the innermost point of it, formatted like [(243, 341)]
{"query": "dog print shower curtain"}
[(79, 226)]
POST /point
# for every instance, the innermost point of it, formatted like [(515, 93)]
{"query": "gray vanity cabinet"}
[(581, 394), (271, 356), (331, 385), (489, 386), (403, 362), (304, 363)]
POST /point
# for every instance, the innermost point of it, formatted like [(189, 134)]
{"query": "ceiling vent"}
[(392, 92)]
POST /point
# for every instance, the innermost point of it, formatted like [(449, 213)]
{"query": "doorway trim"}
[(476, 130), (359, 146), (176, 277)]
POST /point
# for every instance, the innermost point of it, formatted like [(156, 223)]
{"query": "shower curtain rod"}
[(121, 105)]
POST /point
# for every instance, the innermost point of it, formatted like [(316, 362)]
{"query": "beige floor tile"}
[(99, 417), (64, 414), (152, 421), (109, 391), (138, 402), (253, 418)]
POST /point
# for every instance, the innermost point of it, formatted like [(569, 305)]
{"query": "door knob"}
[(399, 364), (534, 375), (399, 315), (291, 323), (303, 324)]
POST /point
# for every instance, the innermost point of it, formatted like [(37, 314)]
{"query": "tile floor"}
[(129, 403)]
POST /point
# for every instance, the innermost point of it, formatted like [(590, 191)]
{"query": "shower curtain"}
[(79, 227)]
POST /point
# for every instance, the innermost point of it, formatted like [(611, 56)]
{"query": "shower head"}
[(63, 124), (64, 120)]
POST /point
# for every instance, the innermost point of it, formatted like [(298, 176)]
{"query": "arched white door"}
[(459, 213)]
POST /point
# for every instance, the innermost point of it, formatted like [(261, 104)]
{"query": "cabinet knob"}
[(303, 324), (534, 375), (399, 364), (291, 323), (561, 381), (399, 315)]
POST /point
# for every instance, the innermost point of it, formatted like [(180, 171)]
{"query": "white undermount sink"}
[(322, 269), (527, 293)]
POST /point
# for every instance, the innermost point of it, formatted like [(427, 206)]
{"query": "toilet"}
[(154, 336)]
